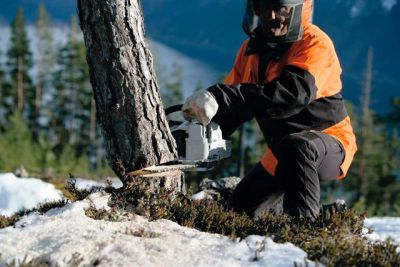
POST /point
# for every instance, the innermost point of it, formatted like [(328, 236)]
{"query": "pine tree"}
[(7, 96), (19, 63), (72, 106), (364, 174), (44, 63), (17, 146), (2, 76), (3, 103), (372, 179), (393, 117)]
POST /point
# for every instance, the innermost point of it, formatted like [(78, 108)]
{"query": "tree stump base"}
[(172, 181)]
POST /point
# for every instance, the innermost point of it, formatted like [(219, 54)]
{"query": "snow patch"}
[(82, 183), (24, 193), (384, 227)]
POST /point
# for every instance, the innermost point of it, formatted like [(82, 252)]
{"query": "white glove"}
[(201, 106)]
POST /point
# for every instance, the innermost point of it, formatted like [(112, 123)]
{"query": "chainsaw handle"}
[(173, 109)]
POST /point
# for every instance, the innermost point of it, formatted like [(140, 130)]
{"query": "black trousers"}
[(305, 159)]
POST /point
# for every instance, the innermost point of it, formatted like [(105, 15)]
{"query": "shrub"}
[(75, 193), (333, 241), (8, 221), (41, 208)]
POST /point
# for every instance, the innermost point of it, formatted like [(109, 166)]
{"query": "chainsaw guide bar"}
[(163, 168)]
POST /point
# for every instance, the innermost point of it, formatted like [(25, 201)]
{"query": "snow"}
[(384, 227), (60, 233), (82, 183), (24, 193), (64, 233), (200, 195)]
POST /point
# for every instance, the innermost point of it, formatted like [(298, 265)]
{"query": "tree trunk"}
[(38, 106), (92, 129), (20, 85), (129, 108), (366, 126)]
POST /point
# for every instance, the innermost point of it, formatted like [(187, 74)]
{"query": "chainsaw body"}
[(202, 146)]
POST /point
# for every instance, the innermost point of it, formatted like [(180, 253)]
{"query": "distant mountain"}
[(194, 72), (354, 28), (210, 31), (61, 10)]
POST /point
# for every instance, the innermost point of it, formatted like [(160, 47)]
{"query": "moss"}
[(8, 221)]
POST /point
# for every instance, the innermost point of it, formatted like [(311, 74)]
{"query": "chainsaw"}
[(200, 146)]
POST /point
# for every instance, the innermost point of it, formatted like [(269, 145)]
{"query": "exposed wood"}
[(129, 108), (172, 181)]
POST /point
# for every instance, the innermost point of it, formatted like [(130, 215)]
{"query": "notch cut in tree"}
[(129, 107)]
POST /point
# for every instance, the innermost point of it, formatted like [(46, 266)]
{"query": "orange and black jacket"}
[(288, 88)]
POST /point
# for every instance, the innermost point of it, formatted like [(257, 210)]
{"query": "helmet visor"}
[(277, 19)]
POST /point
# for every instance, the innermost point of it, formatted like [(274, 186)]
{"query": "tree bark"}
[(92, 129), (129, 107), (37, 107), (172, 181)]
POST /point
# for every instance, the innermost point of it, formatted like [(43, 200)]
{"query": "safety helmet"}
[(253, 20)]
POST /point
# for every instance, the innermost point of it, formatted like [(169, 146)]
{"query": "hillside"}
[(193, 71)]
